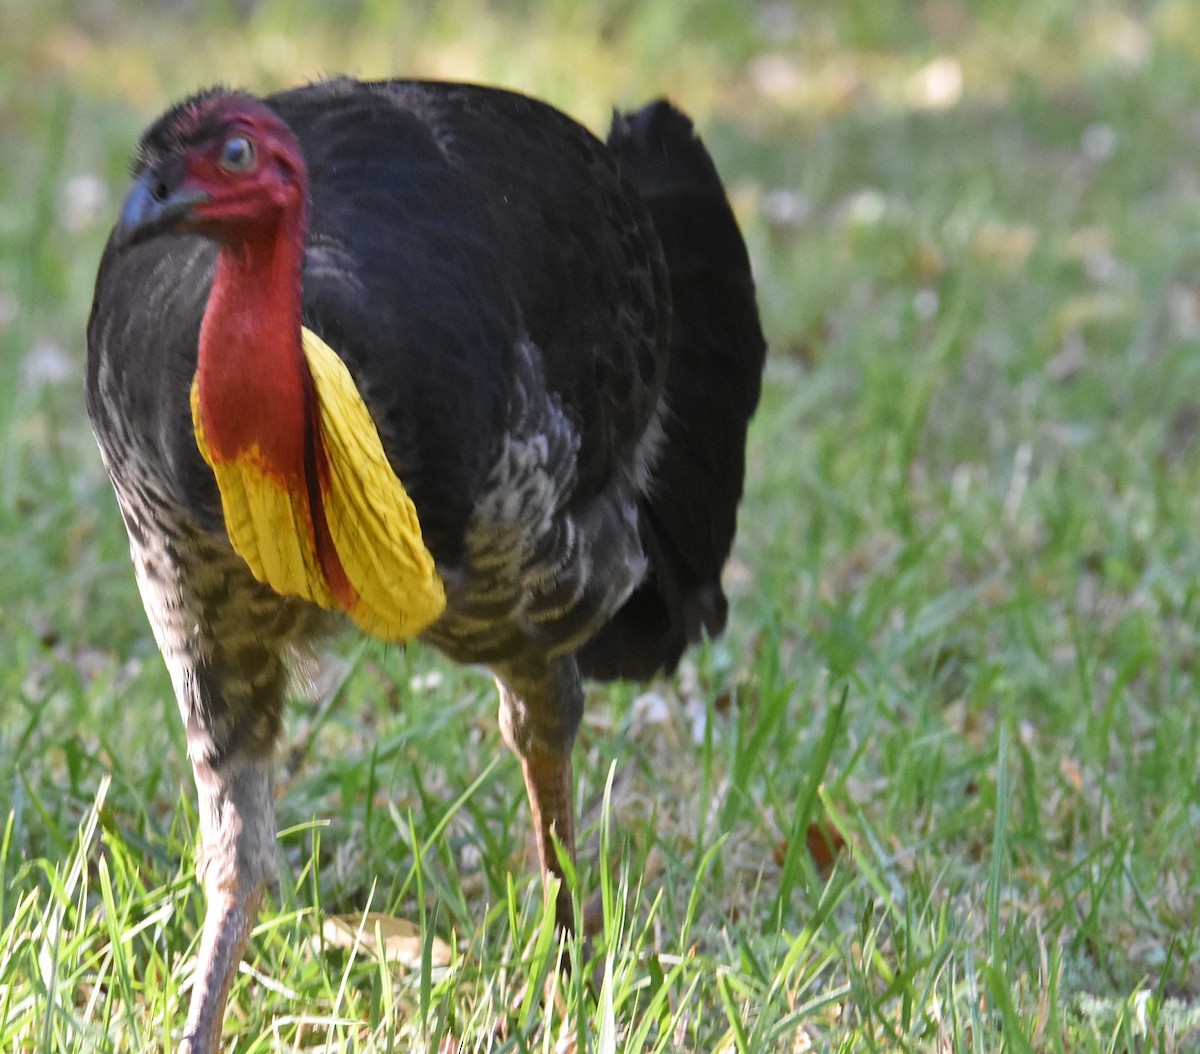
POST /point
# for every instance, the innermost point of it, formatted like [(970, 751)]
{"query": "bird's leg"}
[(231, 701), (237, 858), (223, 636), (541, 705), (548, 784)]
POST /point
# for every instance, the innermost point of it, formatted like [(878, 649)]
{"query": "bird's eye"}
[(237, 155)]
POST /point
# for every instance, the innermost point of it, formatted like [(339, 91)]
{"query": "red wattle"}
[(255, 389)]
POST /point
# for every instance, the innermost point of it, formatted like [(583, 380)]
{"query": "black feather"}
[(712, 388), (451, 227), (558, 342)]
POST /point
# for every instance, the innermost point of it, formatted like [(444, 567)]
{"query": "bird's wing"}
[(451, 224)]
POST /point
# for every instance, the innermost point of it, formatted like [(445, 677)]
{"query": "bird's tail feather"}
[(689, 515)]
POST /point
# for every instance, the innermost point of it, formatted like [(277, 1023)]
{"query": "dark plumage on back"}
[(556, 343)]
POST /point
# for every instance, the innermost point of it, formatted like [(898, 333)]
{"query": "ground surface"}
[(937, 787)]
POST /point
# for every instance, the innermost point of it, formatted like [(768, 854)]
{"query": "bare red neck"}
[(258, 404), (254, 384)]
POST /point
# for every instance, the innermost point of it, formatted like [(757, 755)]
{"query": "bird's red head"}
[(225, 165), (221, 163)]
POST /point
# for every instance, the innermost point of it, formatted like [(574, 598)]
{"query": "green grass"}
[(966, 594)]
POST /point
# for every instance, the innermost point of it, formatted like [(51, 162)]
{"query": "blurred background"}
[(974, 493)]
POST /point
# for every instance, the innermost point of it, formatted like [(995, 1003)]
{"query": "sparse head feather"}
[(195, 120)]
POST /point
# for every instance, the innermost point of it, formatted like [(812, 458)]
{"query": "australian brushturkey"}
[(433, 358)]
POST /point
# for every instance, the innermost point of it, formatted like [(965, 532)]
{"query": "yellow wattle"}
[(372, 521)]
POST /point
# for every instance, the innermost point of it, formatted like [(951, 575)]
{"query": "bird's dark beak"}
[(150, 209)]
